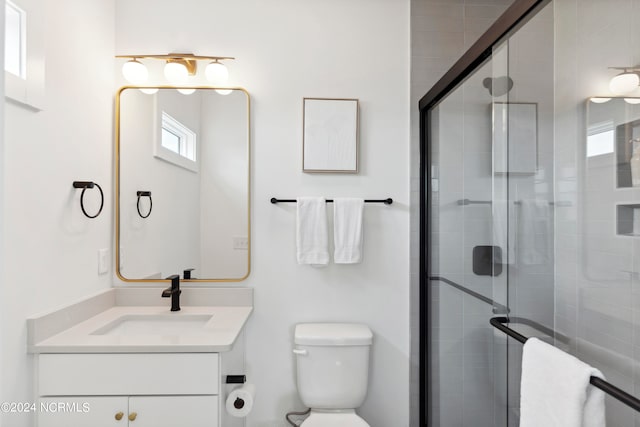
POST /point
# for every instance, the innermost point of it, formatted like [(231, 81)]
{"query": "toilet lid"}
[(334, 420)]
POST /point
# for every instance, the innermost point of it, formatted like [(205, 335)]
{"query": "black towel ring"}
[(144, 194), (84, 185)]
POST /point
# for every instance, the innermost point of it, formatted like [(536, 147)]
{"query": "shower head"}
[(498, 86)]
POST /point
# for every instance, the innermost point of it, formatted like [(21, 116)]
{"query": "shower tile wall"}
[(441, 30), (597, 271)]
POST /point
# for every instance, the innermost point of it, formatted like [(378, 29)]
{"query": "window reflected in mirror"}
[(15, 40)]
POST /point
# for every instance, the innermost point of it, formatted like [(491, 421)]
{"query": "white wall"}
[(50, 249), (287, 50)]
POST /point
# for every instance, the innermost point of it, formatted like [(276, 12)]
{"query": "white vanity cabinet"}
[(133, 411), (82, 411), (129, 389)]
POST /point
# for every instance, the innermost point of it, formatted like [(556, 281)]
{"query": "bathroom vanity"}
[(121, 358)]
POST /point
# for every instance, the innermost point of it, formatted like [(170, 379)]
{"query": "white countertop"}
[(72, 329)]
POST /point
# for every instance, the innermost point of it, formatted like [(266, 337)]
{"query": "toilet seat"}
[(334, 419)]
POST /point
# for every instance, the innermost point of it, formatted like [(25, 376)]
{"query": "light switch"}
[(240, 242), (103, 261)]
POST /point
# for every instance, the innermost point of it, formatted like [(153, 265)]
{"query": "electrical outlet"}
[(241, 243), (103, 261)]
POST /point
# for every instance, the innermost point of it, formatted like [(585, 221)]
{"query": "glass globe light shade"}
[(186, 91), (149, 91), (633, 101), (217, 73), (135, 72), (599, 100), (224, 91), (176, 73), (624, 83)]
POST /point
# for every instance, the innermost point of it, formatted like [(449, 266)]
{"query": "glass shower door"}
[(466, 268), (489, 158)]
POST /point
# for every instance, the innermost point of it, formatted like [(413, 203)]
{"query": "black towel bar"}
[(385, 201), (610, 389)]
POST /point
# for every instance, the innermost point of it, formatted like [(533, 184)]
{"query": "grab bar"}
[(387, 201), (497, 307), (610, 389), (466, 202)]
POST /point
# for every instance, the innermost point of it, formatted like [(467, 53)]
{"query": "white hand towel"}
[(555, 389), (311, 231), (347, 230)]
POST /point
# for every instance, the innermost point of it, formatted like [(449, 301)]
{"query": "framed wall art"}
[(330, 135)]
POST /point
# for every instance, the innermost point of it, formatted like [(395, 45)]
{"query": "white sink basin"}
[(156, 324)]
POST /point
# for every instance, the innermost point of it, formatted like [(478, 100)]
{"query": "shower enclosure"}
[(525, 206)]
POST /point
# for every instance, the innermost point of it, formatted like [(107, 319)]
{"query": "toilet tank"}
[(332, 364)]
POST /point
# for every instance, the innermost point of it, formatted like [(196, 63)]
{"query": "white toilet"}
[(333, 372)]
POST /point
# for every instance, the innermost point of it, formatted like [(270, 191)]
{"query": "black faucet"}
[(173, 292)]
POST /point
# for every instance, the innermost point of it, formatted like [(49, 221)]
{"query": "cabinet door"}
[(172, 411), (83, 412)]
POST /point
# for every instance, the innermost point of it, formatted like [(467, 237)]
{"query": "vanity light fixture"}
[(135, 72), (217, 73), (178, 67), (625, 82), (632, 101), (176, 73), (599, 99)]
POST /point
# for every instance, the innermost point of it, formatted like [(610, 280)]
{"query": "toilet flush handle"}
[(300, 352)]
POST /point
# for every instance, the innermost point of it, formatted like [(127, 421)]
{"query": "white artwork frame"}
[(521, 130), (330, 135)]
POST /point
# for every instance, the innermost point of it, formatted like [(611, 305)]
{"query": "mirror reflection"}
[(611, 160), (183, 184)]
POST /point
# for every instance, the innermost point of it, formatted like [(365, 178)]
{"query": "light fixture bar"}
[(178, 56), (178, 67)]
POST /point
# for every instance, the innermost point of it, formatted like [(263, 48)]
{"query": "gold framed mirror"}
[(182, 160)]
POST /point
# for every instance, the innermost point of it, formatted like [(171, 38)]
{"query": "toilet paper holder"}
[(239, 401), (236, 379)]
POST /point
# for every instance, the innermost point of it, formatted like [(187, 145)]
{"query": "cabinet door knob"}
[(132, 416), (119, 416)]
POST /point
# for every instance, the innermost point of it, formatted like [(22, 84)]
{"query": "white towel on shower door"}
[(347, 230), (536, 230), (555, 389), (503, 224), (312, 237)]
